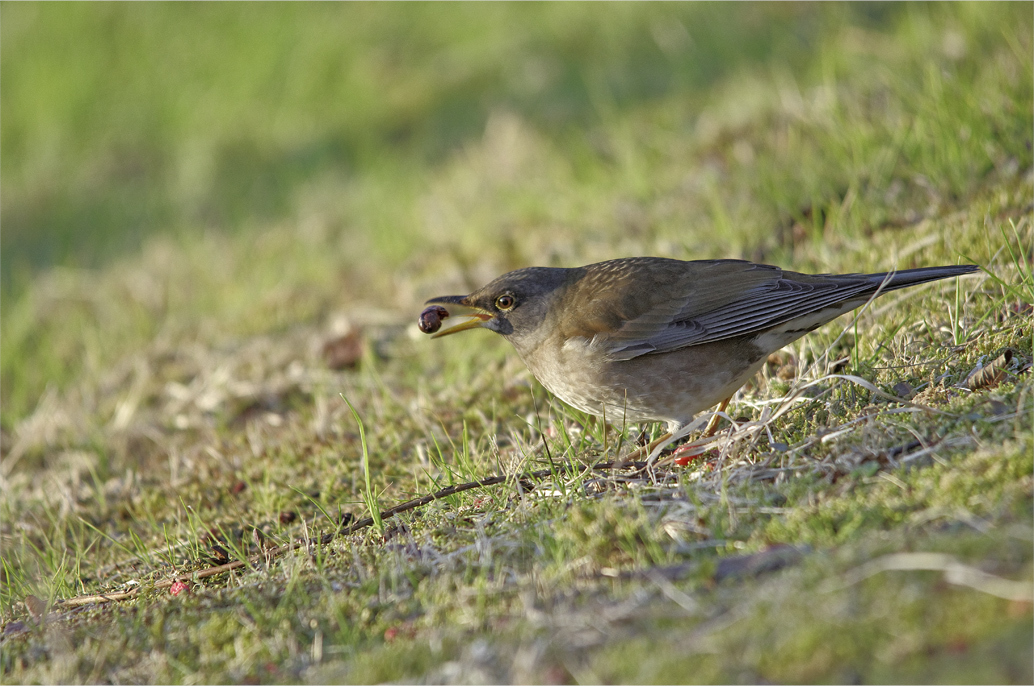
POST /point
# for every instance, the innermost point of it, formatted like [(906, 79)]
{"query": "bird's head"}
[(514, 305)]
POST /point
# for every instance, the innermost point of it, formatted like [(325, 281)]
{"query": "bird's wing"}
[(672, 307)]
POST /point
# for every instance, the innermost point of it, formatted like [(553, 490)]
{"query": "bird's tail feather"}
[(912, 277)]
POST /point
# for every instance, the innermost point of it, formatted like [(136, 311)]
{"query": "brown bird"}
[(646, 339)]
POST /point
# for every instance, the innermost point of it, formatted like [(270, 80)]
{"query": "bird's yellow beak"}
[(452, 315)]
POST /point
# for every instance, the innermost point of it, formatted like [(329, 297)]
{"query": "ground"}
[(218, 234)]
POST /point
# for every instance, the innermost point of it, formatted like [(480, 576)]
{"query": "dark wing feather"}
[(639, 306), (783, 300)]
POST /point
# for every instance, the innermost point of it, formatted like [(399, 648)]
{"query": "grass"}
[(193, 206), (369, 497)]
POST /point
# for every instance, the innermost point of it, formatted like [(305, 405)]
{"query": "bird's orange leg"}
[(686, 453), (712, 425), (709, 431)]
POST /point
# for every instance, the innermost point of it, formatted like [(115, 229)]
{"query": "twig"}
[(96, 598), (954, 572)]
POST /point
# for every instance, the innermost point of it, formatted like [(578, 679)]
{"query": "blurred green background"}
[(120, 120), (176, 172)]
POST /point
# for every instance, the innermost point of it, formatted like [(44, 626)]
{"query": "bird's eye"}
[(505, 302)]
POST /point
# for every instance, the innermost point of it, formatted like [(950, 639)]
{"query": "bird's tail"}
[(912, 277)]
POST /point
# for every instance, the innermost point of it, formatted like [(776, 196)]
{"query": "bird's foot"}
[(686, 453)]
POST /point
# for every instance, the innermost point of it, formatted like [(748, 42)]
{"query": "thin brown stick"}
[(95, 598)]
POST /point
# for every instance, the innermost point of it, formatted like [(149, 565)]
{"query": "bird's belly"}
[(669, 387)]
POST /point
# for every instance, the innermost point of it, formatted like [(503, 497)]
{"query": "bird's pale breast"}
[(669, 387)]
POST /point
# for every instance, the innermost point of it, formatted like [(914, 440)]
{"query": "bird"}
[(653, 339)]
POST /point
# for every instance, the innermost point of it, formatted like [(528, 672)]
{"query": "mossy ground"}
[(194, 205)]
